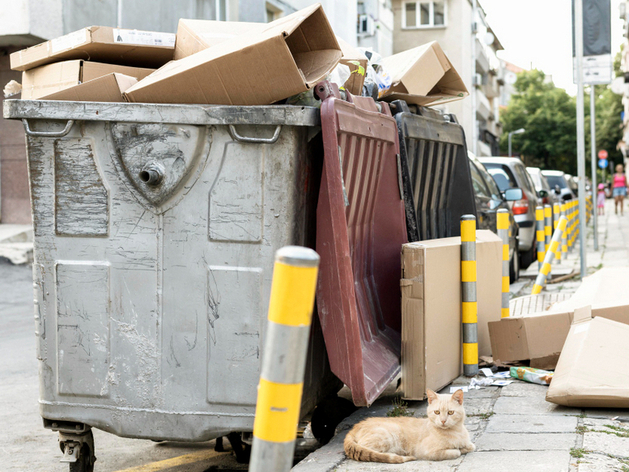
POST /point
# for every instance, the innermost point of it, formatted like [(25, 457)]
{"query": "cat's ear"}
[(432, 396), (458, 396)]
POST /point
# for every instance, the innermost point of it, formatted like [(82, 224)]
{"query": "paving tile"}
[(531, 424), (516, 461), (526, 442), (531, 406)]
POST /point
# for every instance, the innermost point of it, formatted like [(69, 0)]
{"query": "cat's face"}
[(445, 411)]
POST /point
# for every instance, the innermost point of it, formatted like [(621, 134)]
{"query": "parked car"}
[(558, 182), (489, 199), (547, 195), (573, 183), (509, 172)]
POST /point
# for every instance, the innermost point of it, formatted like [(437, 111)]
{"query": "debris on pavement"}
[(530, 374)]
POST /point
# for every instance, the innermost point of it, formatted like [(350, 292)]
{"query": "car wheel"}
[(528, 257), (514, 266)]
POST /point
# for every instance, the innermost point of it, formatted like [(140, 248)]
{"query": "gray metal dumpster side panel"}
[(150, 320)]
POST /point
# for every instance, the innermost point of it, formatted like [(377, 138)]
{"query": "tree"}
[(548, 114)]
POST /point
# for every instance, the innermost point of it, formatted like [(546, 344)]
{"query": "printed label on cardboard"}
[(145, 38), (68, 41)]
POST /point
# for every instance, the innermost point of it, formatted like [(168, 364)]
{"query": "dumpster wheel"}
[(78, 451)]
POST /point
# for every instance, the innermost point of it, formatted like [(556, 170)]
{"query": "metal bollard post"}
[(539, 232), (540, 281), (564, 238), (556, 216), (469, 307), (284, 359), (503, 233)]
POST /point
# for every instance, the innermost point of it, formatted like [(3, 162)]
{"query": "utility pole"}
[(474, 124), (578, 35), (593, 141)]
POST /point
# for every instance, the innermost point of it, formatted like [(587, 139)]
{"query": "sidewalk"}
[(513, 427)]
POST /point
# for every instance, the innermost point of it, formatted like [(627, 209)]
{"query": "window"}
[(424, 14), (272, 12), (480, 188)]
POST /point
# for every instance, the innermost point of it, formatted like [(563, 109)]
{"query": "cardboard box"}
[(605, 291), (196, 35), (539, 337), (100, 43), (290, 56), (431, 308), (592, 369), (357, 63), (108, 88), (423, 76), (51, 78)]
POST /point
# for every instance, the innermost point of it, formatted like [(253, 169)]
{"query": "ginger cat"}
[(439, 437)]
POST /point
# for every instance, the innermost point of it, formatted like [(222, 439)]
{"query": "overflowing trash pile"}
[(228, 63)]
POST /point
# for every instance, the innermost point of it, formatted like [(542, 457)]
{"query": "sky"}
[(537, 33)]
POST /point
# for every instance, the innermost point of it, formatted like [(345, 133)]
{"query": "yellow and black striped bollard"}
[(548, 227), (469, 307), (503, 233), (539, 232), (540, 281), (570, 215), (556, 216), (284, 359), (564, 237)]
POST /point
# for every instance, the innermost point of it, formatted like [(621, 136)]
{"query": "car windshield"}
[(502, 176), (491, 183), (556, 180), (536, 180)]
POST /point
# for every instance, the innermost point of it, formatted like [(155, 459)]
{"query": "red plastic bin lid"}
[(361, 227)]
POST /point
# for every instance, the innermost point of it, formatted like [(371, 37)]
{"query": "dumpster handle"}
[(48, 134), (246, 139)]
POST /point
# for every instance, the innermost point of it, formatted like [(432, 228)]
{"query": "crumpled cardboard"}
[(108, 88), (592, 369), (45, 80), (100, 43), (288, 57), (423, 76)]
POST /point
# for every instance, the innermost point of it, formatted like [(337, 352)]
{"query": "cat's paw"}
[(468, 448), (451, 454)]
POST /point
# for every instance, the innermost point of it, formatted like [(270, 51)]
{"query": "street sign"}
[(602, 154), (602, 163)]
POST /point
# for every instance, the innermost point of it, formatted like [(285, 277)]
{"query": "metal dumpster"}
[(155, 228), (360, 230), (436, 175)]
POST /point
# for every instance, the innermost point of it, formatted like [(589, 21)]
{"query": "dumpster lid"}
[(162, 113), (360, 231)]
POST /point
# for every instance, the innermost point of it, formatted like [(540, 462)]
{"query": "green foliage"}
[(400, 408), (548, 114)]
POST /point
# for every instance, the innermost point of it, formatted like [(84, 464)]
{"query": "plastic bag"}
[(377, 80), (530, 374), (339, 76)]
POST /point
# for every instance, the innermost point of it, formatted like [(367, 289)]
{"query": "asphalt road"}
[(24, 443)]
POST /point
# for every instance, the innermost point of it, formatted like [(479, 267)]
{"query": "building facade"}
[(450, 22)]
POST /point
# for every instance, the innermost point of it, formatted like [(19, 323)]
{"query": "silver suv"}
[(510, 172)]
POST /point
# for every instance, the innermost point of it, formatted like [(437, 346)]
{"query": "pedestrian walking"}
[(600, 199), (619, 192)]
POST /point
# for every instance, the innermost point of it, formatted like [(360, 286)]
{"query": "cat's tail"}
[(355, 451)]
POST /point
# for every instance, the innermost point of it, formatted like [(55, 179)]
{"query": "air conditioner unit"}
[(366, 25), (477, 80)]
